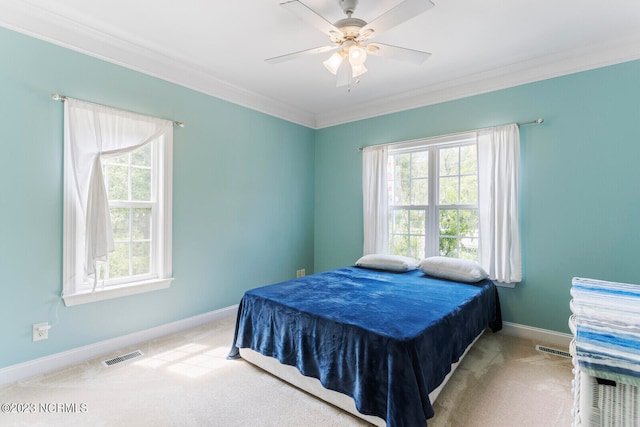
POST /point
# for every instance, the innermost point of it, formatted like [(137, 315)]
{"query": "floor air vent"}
[(554, 351), (122, 358)]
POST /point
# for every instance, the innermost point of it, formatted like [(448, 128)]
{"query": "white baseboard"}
[(61, 360), (57, 361), (542, 336)]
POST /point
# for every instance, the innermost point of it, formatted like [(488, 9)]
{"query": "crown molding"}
[(46, 25), (26, 18), (541, 68)]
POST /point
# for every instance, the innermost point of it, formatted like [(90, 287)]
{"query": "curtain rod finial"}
[(55, 97)]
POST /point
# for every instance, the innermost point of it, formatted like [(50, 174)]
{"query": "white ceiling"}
[(218, 47)]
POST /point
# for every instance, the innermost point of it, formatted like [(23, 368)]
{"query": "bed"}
[(385, 340)]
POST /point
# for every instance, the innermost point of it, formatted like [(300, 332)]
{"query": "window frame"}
[(433, 207), (130, 205), (77, 292)]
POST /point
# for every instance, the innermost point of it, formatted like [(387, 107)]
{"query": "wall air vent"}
[(122, 358), (553, 351)]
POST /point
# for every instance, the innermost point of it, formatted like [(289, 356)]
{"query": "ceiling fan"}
[(350, 36)]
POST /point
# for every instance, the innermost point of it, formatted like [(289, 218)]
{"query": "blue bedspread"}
[(385, 339)]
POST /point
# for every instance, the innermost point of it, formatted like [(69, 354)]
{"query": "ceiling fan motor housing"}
[(350, 27)]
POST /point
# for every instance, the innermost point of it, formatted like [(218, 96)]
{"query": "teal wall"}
[(256, 198), (580, 192), (243, 199)]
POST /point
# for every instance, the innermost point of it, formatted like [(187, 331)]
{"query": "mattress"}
[(384, 339), (313, 386)]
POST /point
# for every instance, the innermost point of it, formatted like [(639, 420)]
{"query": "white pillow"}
[(461, 270), (388, 262)]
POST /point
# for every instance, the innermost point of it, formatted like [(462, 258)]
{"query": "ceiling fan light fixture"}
[(357, 55), (333, 63), (344, 74), (358, 70)]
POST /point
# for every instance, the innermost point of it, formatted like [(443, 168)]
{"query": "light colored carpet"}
[(185, 380)]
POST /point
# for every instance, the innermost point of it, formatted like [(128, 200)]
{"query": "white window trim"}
[(131, 288), (74, 292)]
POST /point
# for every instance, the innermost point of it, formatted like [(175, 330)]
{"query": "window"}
[(117, 203), (433, 198), (132, 206), (454, 195)]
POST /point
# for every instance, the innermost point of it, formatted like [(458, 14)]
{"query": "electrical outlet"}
[(41, 331), (300, 273)]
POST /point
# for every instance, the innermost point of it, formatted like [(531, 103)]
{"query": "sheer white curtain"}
[(374, 197), (93, 132), (498, 180)]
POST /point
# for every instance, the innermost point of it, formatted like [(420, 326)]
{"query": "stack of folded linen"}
[(606, 318), (606, 353)]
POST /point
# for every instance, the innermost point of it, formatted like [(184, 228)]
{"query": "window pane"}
[(448, 222), (416, 246), (140, 184), (420, 164), (142, 156), (449, 246), (401, 166), (120, 223), (141, 258), (119, 261), (417, 222), (449, 163), (118, 182), (400, 220), (469, 190), (468, 226), (402, 191), (468, 160), (122, 159), (420, 191), (407, 232), (469, 249), (448, 191), (141, 224), (399, 244)]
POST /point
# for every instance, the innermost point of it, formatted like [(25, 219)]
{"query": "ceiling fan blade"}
[(399, 14), (312, 17), (295, 55), (399, 53)]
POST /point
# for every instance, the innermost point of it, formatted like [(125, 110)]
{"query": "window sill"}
[(116, 291), (504, 285)]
